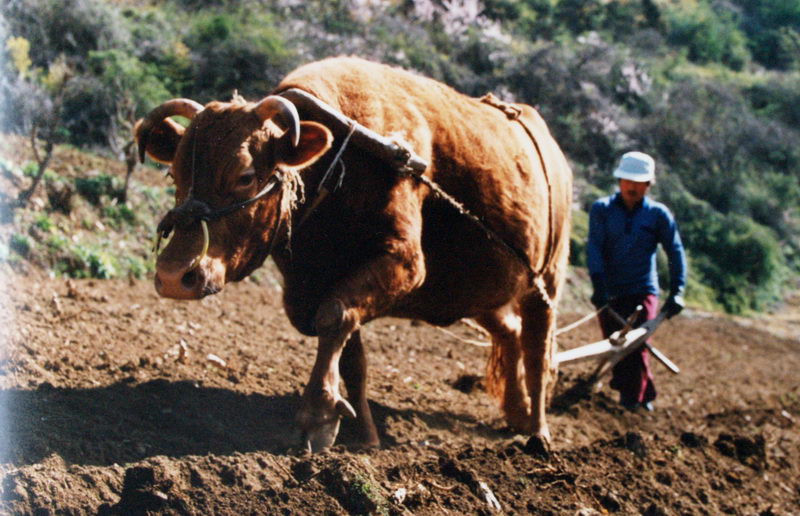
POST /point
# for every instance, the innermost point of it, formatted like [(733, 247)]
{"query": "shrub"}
[(777, 98), (59, 195), (30, 169), (578, 238), (773, 27), (241, 51), (71, 27), (43, 222), (702, 132), (93, 187), (56, 243), (740, 259), (580, 15), (20, 244), (101, 104), (137, 267), (101, 264), (711, 36), (118, 215), (82, 261)]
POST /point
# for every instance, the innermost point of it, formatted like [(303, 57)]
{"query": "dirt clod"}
[(610, 502), (692, 440), (655, 510), (469, 383), (634, 442), (145, 489)]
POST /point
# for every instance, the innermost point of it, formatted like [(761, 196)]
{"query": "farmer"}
[(624, 231)]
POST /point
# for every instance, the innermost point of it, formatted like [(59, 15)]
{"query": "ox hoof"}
[(320, 434), (320, 426), (537, 446), (321, 438)]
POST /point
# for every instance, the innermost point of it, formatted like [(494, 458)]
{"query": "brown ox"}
[(381, 243)]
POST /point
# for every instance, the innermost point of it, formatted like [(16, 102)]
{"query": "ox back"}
[(476, 154)]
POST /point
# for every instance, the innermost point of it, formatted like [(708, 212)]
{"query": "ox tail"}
[(495, 385)]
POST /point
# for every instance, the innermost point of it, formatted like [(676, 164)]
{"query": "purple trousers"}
[(632, 376)]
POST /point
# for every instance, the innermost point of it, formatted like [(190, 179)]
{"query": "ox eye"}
[(246, 179)]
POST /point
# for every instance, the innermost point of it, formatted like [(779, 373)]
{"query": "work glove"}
[(599, 297), (673, 306)]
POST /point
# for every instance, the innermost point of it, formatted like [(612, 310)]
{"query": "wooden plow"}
[(609, 352)]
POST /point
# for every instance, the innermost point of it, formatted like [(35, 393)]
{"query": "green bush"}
[(777, 98), (87, 262), (578, 238), (710, 36), (600, 72), (72, 28), (773, 27), (741, 260), (94, 187), (116, 86), (30, 169), (118, 215), (43, 222), (20, 244), (241, 51), (138, 267), (56, 243)]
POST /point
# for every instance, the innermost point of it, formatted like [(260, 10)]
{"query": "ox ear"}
[(315, 140), (160, 142)]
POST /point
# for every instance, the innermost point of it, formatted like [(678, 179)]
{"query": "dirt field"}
[(107, 415)]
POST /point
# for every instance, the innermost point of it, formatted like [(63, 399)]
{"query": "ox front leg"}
[(538, 334), (366, 293), (353, 368), (323, 406)]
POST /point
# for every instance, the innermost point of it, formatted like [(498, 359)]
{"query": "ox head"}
[(230, 167)]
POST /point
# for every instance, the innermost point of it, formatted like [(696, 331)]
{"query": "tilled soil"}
[(119, 402)]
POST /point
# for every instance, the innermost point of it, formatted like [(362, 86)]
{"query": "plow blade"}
[(609, 352), (602, 349)]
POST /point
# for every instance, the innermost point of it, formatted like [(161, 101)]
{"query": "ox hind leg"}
[(353, 368), (505, 374), (538, 346)]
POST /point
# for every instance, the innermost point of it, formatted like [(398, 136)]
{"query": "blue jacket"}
[(621, 251)]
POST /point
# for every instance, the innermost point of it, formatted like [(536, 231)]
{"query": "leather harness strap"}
[(514, 113)]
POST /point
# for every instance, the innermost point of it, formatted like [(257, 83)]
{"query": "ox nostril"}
[(189, 280)]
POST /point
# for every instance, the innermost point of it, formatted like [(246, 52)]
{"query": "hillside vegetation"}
[(710, 88)]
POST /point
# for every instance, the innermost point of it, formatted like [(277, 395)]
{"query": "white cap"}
[(636, 166)]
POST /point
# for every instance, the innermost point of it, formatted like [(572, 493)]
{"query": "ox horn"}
[(176, 107), (273, 106)]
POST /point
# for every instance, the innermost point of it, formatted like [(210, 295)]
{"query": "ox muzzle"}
[(186, 216)]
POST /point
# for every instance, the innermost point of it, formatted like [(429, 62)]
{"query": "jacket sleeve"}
[(597, 237), (670, 239)]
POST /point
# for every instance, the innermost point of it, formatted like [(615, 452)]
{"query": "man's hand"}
[(673, 306), (599, 297)]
